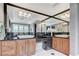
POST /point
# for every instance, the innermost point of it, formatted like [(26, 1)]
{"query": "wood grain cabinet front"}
[(54, 43), (26, 47), (8, 48), (0, 48), (61, 44), (65, 46), (31, 47), (21, 47)]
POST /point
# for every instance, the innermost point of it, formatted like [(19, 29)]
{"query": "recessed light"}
[(66, 15), (24, 14), (20, 13), (28, 15)]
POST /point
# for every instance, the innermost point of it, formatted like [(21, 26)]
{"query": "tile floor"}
[(42, 52)]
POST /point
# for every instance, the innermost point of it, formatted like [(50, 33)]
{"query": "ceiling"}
[(46, 8), (15, 18), (64, 16), (52, 21)]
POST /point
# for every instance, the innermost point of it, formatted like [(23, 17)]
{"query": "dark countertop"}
[(61, 35), (19, 39)]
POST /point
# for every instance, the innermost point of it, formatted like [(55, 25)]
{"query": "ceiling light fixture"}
[(20, 13), (66, 15), (23, 14), (28, 15)]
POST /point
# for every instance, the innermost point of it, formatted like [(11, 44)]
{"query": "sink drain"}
[(52, 54)]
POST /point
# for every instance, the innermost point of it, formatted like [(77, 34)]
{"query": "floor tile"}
[(42, 52)]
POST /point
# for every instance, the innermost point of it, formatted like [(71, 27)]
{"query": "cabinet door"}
[(59, 44), (66, 46), (21, 47), (54, 43), (31, 46), (0, 48), (27, 47), (8, 48)]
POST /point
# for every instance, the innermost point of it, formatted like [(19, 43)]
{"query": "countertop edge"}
[(18, 39)]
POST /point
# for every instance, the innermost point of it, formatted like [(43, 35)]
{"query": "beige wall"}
[(63, 27), (41, 27), (38, 29), (1, 21)]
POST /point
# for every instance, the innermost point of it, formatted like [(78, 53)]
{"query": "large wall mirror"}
[(19, 21)]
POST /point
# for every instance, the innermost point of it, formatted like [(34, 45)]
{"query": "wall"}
[(74, 29), (63, 27), (41, 27), (32, 28), (1, 21), (78, 29), (38, 28)]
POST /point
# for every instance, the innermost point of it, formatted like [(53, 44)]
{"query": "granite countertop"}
[(26, 36), (61, 35), (22, 37)]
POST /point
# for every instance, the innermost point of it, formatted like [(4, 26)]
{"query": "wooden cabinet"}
[(8, 48), (65, 46), (26, 47), (18, 47), (54, 43), (31, 46), (61, 44), (57, 43), (21, 47), (0, 48)]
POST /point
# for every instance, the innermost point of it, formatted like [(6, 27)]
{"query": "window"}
[(23, 29), (14, 28), (26, 29), (20, 28)]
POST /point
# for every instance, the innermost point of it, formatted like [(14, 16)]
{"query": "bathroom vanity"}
[(60, 42), (18, 47)]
